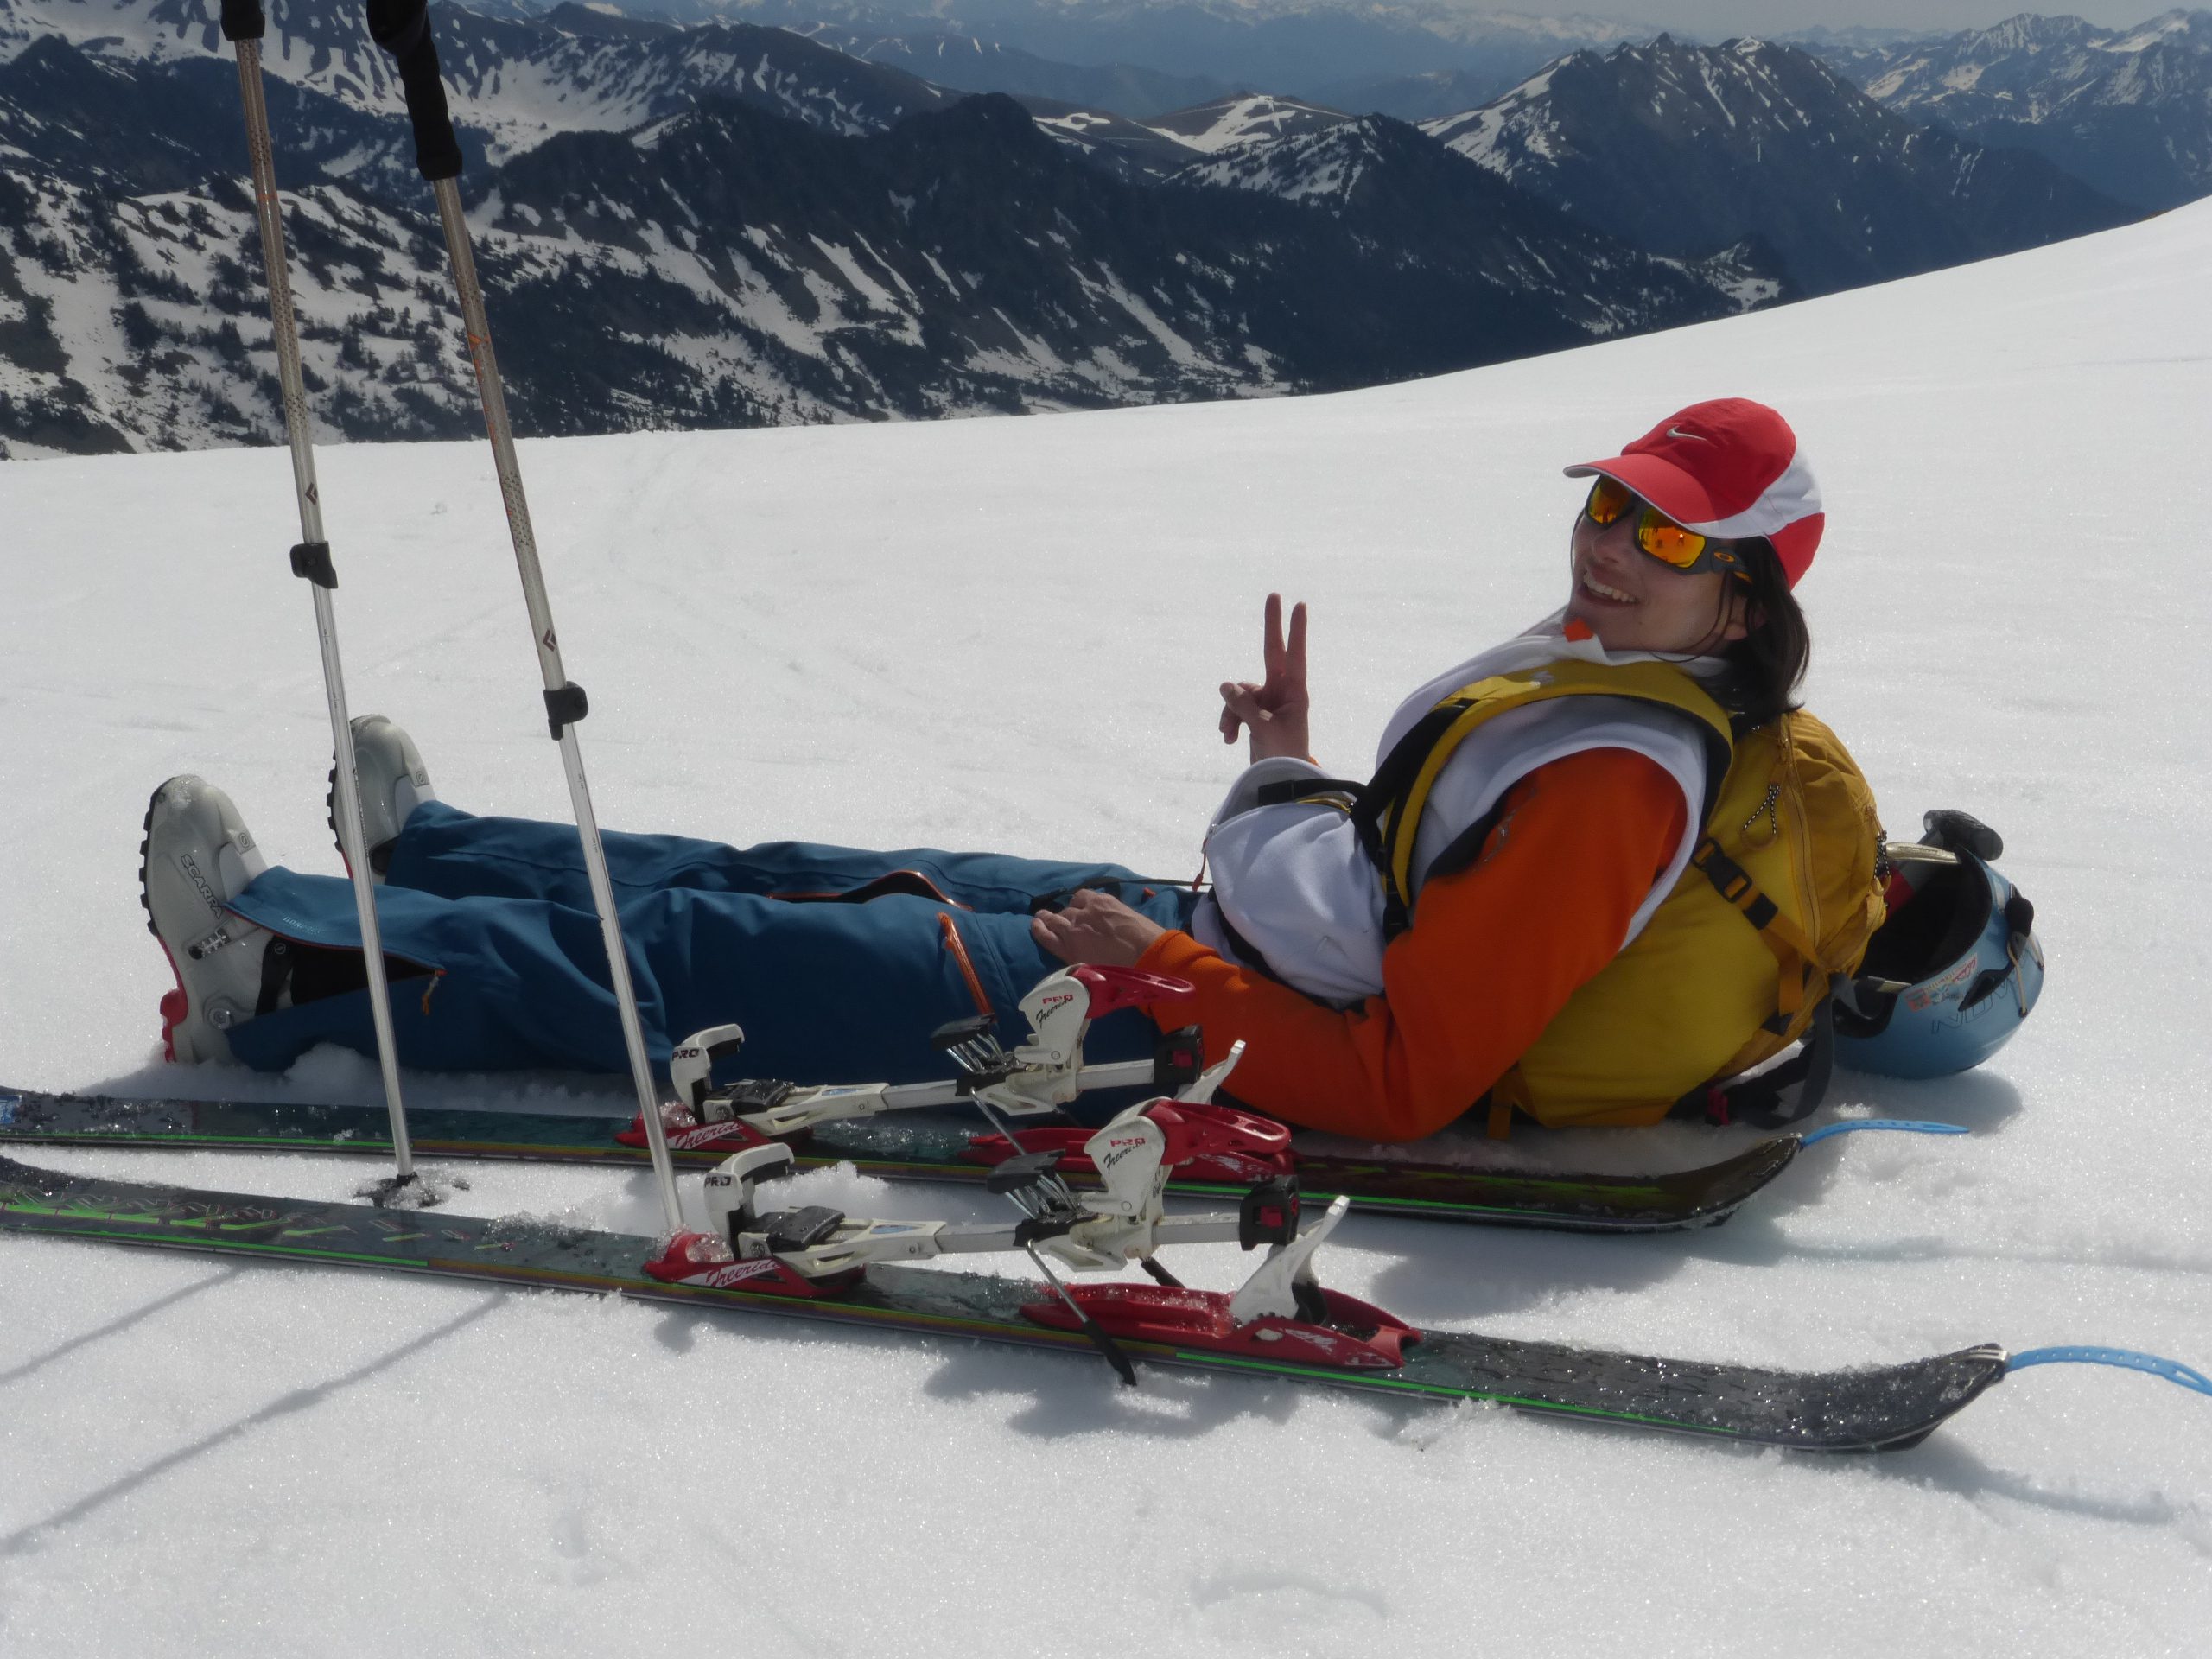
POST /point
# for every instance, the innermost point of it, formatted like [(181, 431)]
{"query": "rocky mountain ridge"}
[(724, 265), (1309, 47), (730, 225), (1684, 150), (2127, 110), (511, 81)]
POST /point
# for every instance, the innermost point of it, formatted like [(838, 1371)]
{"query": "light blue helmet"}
[(1952, 971)]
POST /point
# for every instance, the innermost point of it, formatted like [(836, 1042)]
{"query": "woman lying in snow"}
[(1601, 868)]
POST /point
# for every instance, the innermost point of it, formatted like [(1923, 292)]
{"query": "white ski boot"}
[(196, 857), (394, 782)]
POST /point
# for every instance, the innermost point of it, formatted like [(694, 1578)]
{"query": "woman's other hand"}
[(1276, 709), (1095, 927)]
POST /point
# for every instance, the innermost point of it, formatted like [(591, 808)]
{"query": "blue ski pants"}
[(835, 961)]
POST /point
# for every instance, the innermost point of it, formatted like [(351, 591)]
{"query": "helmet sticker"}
[(1946, 989)]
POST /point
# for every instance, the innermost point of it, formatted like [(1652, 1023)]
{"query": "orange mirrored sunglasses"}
[(1655, 533)]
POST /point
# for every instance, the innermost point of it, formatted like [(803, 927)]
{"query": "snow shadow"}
[(25, 1539), (1440, 1273), (1980, 1102), (118, 1324), (1940, 1244), (1942, 1464), (1070, 1394)]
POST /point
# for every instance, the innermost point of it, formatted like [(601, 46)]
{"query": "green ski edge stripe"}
[(184, 1238), (195, 1140), (1432, 1206), (198, 1140), (559, 1279)]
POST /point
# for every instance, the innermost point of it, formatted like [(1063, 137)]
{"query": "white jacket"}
[(1293, 881)]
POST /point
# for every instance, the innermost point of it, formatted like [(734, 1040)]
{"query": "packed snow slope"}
[(1006, 633)]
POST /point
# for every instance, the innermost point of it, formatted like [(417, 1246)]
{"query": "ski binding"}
[(1281, 1309), (1038, 1076)]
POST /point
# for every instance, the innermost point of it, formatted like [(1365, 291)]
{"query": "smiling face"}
[(1632, 601)]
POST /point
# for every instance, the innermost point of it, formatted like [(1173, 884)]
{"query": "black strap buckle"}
[(565, 704), (312, 560)]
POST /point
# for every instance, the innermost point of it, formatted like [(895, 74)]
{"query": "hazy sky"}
[(1713, 19)]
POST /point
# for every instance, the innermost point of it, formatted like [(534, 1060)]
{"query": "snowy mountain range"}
[(2124, 109), (2128, 109), (1313, 47), (1684, 148), (729, 266), (966, 63), (729, 223), (1754, 148), (1159, 149), (514, 82)]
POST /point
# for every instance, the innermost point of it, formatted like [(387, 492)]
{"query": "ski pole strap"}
[(243, 20), (403, 28), (2127, 1358)]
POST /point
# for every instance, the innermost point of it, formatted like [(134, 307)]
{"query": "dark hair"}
[(1767, 663)]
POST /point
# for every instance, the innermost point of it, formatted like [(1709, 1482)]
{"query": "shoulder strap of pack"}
[(1802, 972), (1389, 810), (1796, 957)]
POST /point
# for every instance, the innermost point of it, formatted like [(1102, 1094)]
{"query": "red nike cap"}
[(1728, 469)]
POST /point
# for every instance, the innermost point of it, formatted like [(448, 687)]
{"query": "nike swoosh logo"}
[(1677, 432)]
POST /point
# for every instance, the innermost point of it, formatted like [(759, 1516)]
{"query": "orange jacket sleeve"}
[(1493, 953)]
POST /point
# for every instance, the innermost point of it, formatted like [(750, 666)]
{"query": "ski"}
[(929, 1131), (932, 1146), (1874, 1408)]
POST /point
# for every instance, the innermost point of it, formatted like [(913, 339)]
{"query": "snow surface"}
[(1005, 633)]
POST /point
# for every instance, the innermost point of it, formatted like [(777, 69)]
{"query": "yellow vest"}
[(1790, 843)]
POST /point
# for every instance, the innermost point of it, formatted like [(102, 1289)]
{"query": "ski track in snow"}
[(1005, 633)]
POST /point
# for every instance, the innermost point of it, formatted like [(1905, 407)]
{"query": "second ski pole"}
[(403, 28)]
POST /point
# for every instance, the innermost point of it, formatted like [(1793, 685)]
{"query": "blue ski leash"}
[(2125, 1359), (1907, 1125)]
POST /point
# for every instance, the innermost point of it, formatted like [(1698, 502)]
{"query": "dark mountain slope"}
[(1685, 148), (2127, 110)]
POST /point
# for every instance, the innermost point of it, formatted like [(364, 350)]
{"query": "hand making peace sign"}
[(1275, 710)]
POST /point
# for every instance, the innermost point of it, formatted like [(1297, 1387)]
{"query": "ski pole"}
[(403, 28), (244, 26)]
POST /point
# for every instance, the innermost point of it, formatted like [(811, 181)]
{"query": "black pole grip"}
[(403, 28), (243, 20)]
